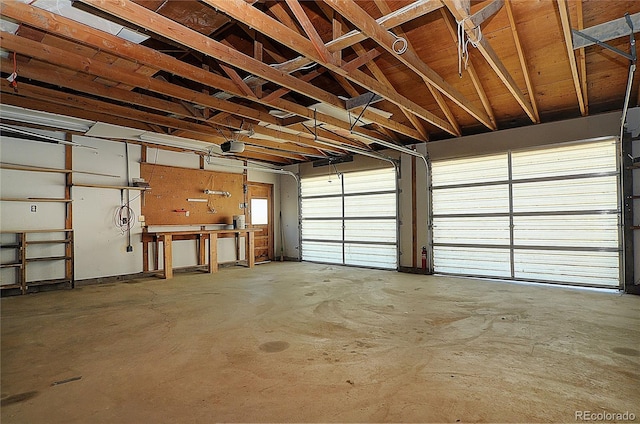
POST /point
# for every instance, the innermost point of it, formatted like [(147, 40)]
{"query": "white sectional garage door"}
[(350, 220), (540, 215)]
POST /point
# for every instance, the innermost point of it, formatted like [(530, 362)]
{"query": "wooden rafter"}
[(237, 79), (73, 61), (368, 26), (523, 60), (251, 16), (10, 98), (491, 57), (311, 32), (563, 9), (145, 18), (582, 61), (60, 98), (52, 75), (98, 39)]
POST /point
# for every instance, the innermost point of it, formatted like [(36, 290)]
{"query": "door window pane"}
[(259, 212)]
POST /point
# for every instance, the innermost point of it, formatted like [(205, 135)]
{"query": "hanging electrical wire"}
[(124, 218), (463, 44), (400, 44)]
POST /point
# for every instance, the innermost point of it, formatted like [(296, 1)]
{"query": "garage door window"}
[(543, 215)]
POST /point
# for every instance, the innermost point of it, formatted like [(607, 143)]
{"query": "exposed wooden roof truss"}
[(279, 74)]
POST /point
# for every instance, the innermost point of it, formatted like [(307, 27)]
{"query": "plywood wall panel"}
[(167, 204)]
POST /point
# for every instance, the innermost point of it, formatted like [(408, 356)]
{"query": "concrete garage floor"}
[(315, 343)]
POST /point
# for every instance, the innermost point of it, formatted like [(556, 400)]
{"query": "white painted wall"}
[(100, 247), (290, 216)]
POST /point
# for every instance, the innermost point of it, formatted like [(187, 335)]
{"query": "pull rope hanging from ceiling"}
[(463, 44)]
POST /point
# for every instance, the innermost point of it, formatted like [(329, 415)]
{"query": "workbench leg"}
[(168, 257), (201, 249), (251, 247), (156, 255), (213, 253), (145, 256)]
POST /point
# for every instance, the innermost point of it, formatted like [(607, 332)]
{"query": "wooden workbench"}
[(201, 237)]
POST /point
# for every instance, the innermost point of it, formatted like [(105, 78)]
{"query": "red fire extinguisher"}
[(424, 257)]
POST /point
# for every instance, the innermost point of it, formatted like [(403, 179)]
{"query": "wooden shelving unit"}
[(21, 245)]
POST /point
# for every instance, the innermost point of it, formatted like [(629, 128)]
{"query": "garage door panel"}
[(324, 207), (372, 205), (367, 181), (320, 186), (378, 256), (322, 252), (590, 268), (486, 262), (371, 230), (466, 200), (470, 170), (322, 230), (567, 230), (566, 195), (565, 160), (472, 230)]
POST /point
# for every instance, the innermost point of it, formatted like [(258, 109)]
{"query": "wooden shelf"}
[(111, 187), (34, 200), (47, 241), (17, 167), (36, 231), (48, 258)]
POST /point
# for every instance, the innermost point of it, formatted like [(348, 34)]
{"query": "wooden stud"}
[(444, 107), (311, 32), (237, 79), (361, 60), (258, 55), (336, 29), (523, 60), (582, 61), (568, 41)]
